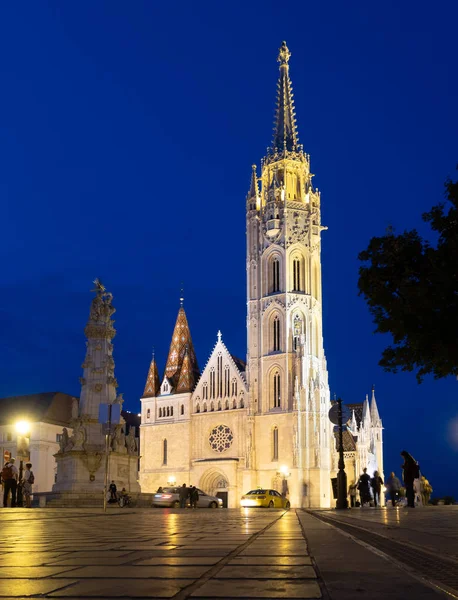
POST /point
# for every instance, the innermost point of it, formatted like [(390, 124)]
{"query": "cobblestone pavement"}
[(60, 553)]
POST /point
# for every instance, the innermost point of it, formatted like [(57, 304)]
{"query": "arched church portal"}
[(215, 483)]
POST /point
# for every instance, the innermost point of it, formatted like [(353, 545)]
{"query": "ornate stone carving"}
[(79, 436), (92, 462), (221, 438), (98, 387), (64, 439), (82, 380), (131, 441), (118, 443)]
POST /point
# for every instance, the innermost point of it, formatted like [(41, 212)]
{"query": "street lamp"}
[(171, 480), (22, 450)]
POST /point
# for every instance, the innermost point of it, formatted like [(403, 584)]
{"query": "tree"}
[(411, 288)]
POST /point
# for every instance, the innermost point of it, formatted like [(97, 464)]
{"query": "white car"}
[(170, 497)]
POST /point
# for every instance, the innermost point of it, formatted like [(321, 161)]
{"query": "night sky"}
[(128, 130)]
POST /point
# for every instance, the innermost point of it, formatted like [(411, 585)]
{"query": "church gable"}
[(166, 387), (221, 385)]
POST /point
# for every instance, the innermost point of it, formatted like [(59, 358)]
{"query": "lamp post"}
[(342, 501), (22, 451)]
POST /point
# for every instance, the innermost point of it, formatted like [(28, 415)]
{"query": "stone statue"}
[(63, 442), (119, 440), (79, 436), (97, 308), (75, 409), (131, 441), (119, 399)]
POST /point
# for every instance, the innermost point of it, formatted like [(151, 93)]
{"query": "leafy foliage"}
[(411, 288)]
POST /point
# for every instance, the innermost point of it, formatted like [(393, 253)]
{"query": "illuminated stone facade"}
[(274, 409)]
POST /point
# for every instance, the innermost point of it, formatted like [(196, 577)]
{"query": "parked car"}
[(170, 497), (264, 498)]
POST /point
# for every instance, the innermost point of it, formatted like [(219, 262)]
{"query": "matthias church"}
[(238, 425)]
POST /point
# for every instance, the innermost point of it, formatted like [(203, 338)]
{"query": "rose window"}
[(221, 438)]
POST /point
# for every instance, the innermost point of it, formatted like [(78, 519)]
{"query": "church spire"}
[(285, 137), (181, 341), (254, 190), (152, 381), (375, 417)]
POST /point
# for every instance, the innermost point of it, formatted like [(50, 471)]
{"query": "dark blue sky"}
[(128, 131)]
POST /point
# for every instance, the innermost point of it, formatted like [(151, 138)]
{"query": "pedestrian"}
[(393, 486), (9, 478), (410, 472), (426, 491), (183, 493), (113, 492), (352, 493), (364, 488), (160, 490), (29, 480), (376, 485), (194, 495)]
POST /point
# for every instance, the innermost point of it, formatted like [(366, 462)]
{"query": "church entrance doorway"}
[(214, 483), (223, 496)]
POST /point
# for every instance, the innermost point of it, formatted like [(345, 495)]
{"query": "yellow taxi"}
[(264, 498)]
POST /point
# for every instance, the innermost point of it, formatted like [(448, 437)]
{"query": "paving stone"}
[(106, 588), (32, 587), (254, 588), (270, 560), (180, 560), (30, 559), (31, 572), (99, 560), (266, 572), (141, 572)]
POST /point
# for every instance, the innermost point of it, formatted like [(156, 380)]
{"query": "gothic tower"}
[(287, 374)]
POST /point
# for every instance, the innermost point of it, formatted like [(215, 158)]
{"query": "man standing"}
[(113, 492), (184, 492), (9, 478), (364, 488), (29, 480), (410, 472), (393, 486)]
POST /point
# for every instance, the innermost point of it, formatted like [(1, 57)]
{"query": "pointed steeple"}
[(181, 341), (187, 379), (375, 417), (353, 425), (254, 190), (152, 381), (285, 129), (366, 421)]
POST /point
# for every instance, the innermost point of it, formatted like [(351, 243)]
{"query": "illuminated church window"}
[(221, 438)]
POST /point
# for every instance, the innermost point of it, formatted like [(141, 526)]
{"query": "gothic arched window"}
[(182, 409), (205, 391), (227, 381), (160, 412), (198, 408), (275, 275), (164, 452), (276, 334), (276, 390), (205, 407), (148, 413), (219, 405), (171, 411), (234, 387), (275, 443), (297, 283), (227, 405), (168, 411), (212, 406)]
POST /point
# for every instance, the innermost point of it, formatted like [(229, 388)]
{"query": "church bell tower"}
[(287, 374)]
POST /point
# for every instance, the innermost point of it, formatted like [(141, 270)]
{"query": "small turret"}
[(187, 379), (152, 380), (253, 193)]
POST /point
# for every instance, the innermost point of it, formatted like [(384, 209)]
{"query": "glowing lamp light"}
[(22, 427), (284, 470), (171, 480)]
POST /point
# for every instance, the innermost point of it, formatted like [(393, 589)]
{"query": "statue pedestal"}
[(84, 472)]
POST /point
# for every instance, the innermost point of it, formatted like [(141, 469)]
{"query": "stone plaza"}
[(228, 553)]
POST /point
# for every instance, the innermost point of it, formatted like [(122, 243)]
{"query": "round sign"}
[(334, 414)]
